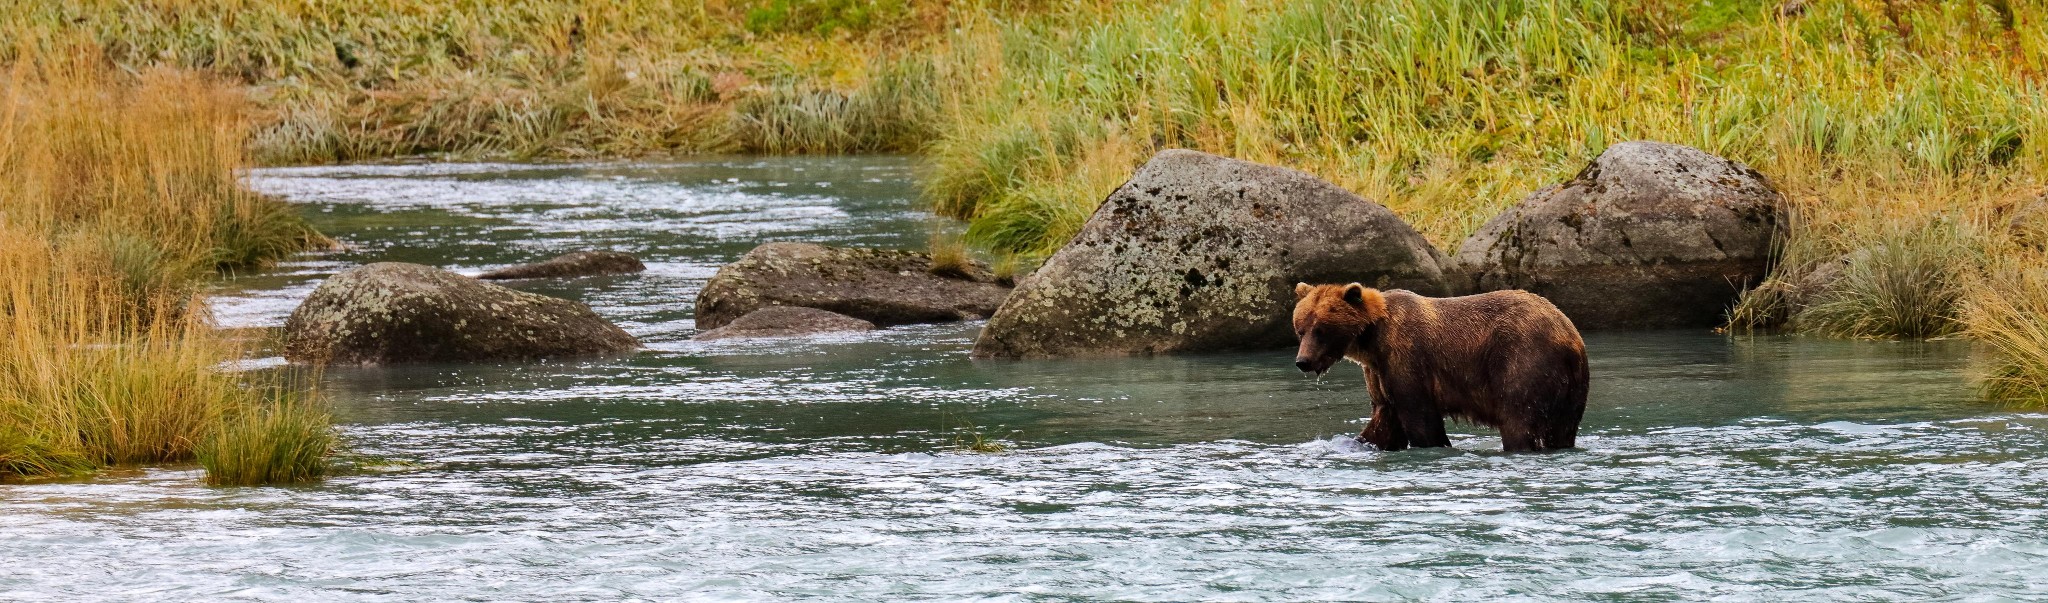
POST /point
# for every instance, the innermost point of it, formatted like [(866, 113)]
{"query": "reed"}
[(2004, 311), (118, 195)]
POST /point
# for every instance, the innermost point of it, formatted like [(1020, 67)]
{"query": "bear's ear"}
[(1354, 294), (1302, 290)]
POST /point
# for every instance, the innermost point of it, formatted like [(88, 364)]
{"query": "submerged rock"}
[(786, 321), (390, 313), (885, 287), (1199, 252), (581, 263), (1648, 235)]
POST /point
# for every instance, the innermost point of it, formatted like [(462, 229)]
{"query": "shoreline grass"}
[(2005, 312), (370, 79), (1448, 111), (118, 196)]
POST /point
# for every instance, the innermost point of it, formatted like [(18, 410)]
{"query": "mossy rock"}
[(391, 313), (1200, 253)]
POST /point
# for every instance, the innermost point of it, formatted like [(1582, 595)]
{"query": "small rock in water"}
[(390, 312), (786, 321), (885, 287), (581, 263)]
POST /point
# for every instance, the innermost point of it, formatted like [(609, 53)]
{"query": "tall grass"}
[(366, 79), (283, 439), (1450, 110), (2005, 312), (1907, 284), (118, 194)]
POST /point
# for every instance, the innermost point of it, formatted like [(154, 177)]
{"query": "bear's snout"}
[(1312, 365)]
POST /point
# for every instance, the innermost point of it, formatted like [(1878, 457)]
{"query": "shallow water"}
[(1743, 469)]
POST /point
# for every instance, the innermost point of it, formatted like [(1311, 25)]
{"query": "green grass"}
[(279, 437), (1450, 110), (967, 437), (1904, 284)]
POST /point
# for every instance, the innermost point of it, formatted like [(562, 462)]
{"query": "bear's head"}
[(1329, 319)]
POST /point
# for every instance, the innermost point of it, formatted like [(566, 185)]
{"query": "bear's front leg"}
[(1383, 431)]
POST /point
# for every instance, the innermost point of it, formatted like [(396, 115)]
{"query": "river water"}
[(1768, 468)]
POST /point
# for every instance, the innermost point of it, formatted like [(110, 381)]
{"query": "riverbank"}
[(1910, 128), (372, 79), (120, 195)]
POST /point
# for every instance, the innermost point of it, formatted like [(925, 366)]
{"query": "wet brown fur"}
[(1506, 359)]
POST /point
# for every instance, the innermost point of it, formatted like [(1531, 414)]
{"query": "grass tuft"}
[(949, 256), (119, 193), (2005, 312), (1906, 284), (278, 437)]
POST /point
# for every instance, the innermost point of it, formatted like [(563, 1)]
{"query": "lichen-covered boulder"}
[(1199, 253), (885, 287), (1649, 235), (581, 263), (391, 313), (786, 321)]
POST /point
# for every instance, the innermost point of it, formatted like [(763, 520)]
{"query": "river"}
[(843, 467)]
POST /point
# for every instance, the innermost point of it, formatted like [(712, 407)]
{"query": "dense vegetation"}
[(1907, 133), (118, 196)]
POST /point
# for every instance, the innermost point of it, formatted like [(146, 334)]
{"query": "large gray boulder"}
[(1649, 235), (885, 287), (786, 321), (391, 313), (581, 263), (1198, 253)]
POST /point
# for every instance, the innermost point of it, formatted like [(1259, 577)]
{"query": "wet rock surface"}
[(1199, 253), (389, 313), (786, 321), (885, 287), (581, 263), (1649, 235)]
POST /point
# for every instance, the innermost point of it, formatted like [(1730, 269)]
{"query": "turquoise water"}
[(1777, 468)]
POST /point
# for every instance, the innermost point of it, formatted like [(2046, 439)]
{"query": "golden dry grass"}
[(118, 195), (367, 79)]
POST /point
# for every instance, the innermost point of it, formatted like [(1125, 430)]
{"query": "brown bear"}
[(1506, 359)]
